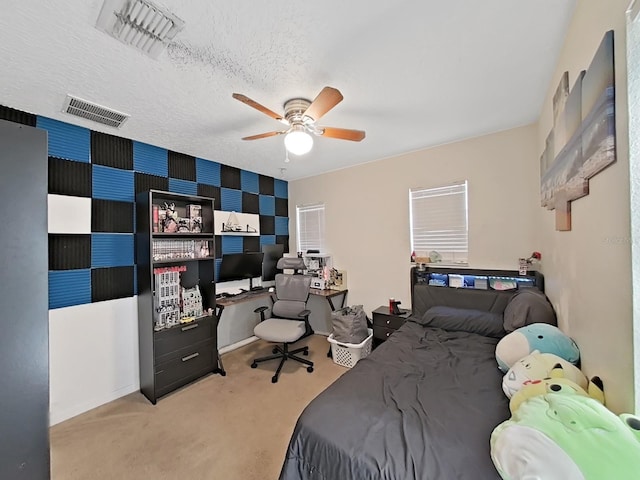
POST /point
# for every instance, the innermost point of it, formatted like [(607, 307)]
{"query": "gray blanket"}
[(421, 406)]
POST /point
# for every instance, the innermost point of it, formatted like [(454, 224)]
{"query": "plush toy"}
[(556, 383), (538, 366), (564, 435), (538, 336)]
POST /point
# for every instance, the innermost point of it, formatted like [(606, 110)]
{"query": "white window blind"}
[(310, 227), (439, 222)]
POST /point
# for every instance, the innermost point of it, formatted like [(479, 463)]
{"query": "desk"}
[(329, 294)]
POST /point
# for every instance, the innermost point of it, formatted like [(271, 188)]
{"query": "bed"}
[(421, 406)]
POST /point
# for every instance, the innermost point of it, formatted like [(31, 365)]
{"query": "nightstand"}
[(385, 323)]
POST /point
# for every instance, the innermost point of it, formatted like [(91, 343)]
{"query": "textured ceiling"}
[(414, 73)]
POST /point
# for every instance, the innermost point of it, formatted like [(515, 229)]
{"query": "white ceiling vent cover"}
[(94, 112)]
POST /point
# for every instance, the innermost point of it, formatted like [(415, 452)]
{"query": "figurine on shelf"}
[(170, 223)]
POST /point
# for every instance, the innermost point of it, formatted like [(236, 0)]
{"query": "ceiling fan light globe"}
[(298, 142)]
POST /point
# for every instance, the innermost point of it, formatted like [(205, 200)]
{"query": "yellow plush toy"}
[(538, 366)]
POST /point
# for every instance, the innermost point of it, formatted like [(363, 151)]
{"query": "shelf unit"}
[(177, 339)]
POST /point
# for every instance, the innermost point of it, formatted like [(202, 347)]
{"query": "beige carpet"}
[(233, 427)]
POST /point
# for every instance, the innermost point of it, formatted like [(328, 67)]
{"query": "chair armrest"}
[(304, 313), (260, 309)]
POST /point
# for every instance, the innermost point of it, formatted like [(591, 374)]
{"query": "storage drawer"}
[(186, 368), (181, 336), (388, 321), (382, 333)]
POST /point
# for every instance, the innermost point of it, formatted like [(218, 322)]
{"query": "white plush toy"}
[(537, 366)]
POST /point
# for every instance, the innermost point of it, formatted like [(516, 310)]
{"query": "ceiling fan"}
[(300, 116)]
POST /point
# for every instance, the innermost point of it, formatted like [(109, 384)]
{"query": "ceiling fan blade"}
[(343, 133), (264, 135), (257, 106), (328, 98)]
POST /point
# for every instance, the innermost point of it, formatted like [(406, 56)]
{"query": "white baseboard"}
[(61, 415), (234, 346)]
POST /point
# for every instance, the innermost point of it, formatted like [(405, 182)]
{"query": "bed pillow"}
[(528, 306), (453, 319)]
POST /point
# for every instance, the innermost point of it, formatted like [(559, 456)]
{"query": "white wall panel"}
[(69, 214), (93, 356)]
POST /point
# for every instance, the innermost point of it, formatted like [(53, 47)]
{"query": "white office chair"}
[(290, 318)]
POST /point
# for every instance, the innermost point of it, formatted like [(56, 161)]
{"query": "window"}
[(438, 219), (310, 227)]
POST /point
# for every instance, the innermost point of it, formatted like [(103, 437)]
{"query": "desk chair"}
[(290, 318)]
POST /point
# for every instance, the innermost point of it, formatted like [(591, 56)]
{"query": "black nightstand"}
[(385, 323)]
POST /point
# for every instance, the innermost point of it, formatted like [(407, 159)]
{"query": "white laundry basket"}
[(348, 354)]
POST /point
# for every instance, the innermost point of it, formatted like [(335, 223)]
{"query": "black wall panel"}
[(69, 252), (111, 216), (250, 203), (266, 185), (182, 166), (211, 192), (283, 240), (111, 151), (282, 207), (230, 177), (267, 225), (111, 283), (251, 244), (69, 178), (17, 116), (145, 182)]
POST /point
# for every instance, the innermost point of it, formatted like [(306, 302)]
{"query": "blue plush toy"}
[(538, 336)]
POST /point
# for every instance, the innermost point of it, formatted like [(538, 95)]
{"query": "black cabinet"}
[(175, 256), (385, 323)]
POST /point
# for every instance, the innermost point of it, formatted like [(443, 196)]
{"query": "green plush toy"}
[(563, 434)]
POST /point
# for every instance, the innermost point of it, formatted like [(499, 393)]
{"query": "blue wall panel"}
[(249, 182), (267, 239), (69, 287), (186, 187), (231, 244), (67, 141), (207, 172), (282, 225), (267, 205), (150, 159), (113, 184), (111, 250), (231, 200), (280, 188)]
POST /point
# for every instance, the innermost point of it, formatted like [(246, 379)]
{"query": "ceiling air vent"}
[(94, 112)]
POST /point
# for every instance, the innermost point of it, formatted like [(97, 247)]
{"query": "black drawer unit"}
[(174, 339), (188, 365), (385, 323)]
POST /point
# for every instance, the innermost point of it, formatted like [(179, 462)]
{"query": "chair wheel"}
[(305, 352), (223, 373), (274, 351), (254, 365), (309, 369), (274, 379)]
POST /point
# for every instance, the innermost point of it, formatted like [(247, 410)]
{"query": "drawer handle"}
[(195, 325), (388, 322), (190, 357)]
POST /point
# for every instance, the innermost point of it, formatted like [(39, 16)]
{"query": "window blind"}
[(310, 227), (438, 218)]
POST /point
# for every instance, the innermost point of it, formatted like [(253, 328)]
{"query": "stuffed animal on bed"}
[(538, 366), (538, 336), (555, 383), (561, 434)]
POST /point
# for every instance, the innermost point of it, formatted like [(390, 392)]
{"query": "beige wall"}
[(367, 209), (588, 270)]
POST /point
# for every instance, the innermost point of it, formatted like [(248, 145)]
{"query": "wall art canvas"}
[(582, 140), (234, 223)]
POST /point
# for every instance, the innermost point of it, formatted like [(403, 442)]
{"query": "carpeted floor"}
[(233, 428)]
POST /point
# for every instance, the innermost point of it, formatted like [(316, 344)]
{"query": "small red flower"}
[(535, 256)]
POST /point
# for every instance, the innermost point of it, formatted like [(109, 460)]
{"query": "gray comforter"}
[(421, 406)]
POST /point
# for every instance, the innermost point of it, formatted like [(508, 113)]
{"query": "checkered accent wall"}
[(93, 180)]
